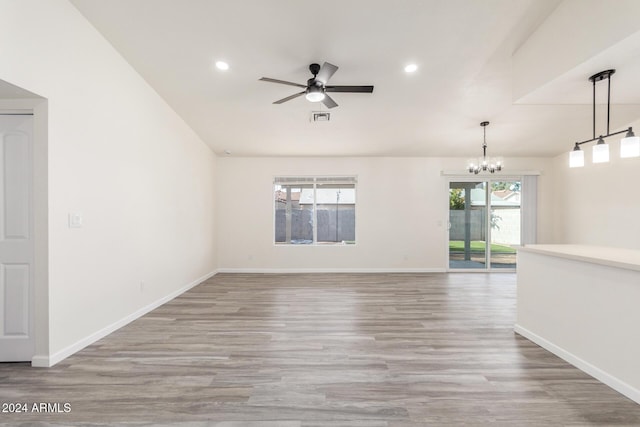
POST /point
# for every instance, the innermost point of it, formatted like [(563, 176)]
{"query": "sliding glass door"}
[(504, 222), (484, 223), (467, 224)]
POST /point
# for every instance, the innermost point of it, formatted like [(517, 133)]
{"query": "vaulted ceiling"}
[(523, 65)]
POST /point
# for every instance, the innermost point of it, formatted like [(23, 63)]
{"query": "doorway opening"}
[(24, 279)]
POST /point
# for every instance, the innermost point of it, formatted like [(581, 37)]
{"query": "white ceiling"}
[(465, 50)]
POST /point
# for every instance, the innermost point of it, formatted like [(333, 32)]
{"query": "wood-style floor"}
[(313, 350)]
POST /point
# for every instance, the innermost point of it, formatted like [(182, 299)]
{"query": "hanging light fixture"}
[(315, 94), (484, 163), (629, 145), (576, 157)]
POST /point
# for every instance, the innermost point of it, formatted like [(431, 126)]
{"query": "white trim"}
[(330, 270), (44, 361), (504, 175), (40, 362), (25, 111), (313, 179), (597, 373), (529, 210)]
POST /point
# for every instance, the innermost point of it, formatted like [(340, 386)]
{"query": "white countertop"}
[(612, 257)]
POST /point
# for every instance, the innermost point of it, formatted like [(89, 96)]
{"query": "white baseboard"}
[(40, 361), (44, 361), (602, 376), (329, 270)]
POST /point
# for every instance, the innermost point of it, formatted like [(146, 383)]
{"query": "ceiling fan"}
[(316, 88)]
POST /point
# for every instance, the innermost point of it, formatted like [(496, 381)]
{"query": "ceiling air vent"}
[(320, 116)]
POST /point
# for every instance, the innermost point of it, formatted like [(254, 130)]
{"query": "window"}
[(315, 210)]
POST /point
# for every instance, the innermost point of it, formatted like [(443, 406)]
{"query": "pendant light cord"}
[(594, 109), (484, 144), (608, 100)]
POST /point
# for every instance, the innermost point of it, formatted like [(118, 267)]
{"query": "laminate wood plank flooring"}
[(315, 350)]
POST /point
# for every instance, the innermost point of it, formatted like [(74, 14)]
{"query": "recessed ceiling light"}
[(221, 65), (411, 68)]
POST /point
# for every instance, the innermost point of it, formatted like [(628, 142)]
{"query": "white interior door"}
[(16, 239)]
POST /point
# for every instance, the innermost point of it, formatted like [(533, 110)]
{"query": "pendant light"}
[(484, 163), (576, 157), (629, 145)]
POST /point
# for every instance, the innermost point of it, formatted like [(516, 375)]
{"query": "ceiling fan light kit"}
[(629, 145), (315, 94), (316, 88), (484, 163)]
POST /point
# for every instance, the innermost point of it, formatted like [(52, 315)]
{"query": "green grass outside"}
[(479, 246)]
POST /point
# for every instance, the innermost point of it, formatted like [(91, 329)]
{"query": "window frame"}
[(314, 181)]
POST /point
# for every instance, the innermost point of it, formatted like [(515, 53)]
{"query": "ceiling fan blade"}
[(267, 79), (326, 72), (289, 98), (355, 89), (329, 102)]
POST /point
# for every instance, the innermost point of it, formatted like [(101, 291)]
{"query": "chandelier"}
[(484, 163)]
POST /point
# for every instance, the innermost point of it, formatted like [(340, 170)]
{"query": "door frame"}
[(488, 179), (38, 106)]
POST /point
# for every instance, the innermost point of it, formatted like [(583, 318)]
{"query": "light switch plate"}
[(75, 220)]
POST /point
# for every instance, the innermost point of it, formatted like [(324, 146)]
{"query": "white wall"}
[(598, 204), (401, 213), (118, 154)]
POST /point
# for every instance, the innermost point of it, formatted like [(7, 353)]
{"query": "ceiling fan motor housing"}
[(313, 82), (315, 87)]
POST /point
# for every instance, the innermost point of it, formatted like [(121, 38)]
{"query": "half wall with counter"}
[(582, 303)]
